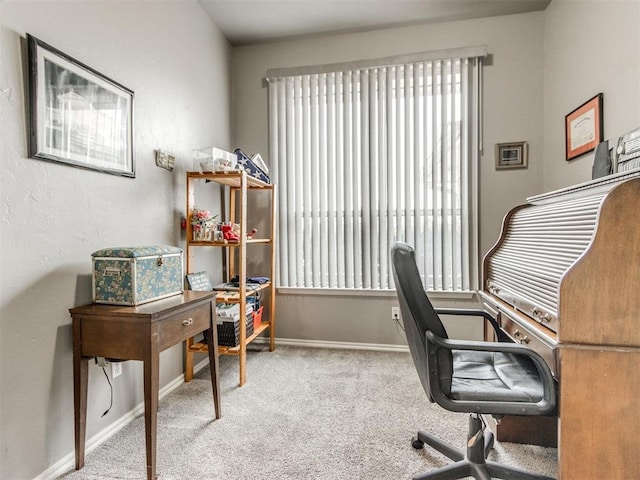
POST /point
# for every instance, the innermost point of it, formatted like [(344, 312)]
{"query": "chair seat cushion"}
[(494, 376)]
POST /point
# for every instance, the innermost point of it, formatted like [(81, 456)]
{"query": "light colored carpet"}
[(304, 413)]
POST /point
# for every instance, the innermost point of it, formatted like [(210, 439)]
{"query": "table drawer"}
[(183, 325)]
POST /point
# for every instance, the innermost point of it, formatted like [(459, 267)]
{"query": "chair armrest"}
[(549, 400), (500, 335)]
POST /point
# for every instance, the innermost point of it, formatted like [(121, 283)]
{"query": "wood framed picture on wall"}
[(511, 155), (583, 128), (78, 116)]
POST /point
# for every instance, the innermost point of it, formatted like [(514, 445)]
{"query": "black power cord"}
[(111, 392), (398, 323)]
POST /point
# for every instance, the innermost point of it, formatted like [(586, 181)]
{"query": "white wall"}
[(589, 47), (513, 112), (54, 216)]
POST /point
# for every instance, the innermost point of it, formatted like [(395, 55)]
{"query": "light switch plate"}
[(165, 160)]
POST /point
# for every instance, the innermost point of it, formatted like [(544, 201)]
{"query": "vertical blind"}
[(367, 156)]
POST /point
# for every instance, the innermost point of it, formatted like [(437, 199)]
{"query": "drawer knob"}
[(524, 340), (516, 333), (187, 322)]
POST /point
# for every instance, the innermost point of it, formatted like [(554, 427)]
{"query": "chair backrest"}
[(418, 316)]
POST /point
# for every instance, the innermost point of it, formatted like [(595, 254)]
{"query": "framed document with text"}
[(584, 128)]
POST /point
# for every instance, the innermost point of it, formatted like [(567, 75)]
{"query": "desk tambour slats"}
[(540, 243)]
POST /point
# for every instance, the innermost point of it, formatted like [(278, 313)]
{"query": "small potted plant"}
[(202, 224)]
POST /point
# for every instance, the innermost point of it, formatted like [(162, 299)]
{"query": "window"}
[(368, 155)]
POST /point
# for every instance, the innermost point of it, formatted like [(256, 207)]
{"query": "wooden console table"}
[(139, 333)]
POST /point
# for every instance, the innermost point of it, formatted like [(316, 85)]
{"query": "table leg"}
[(80, 379), (151, 385), (80, 374), (212, 344), (188, 361)]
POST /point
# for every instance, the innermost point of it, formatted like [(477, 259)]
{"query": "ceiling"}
[(245, 22)]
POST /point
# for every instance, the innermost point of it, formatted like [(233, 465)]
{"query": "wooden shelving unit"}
[(239, 185)]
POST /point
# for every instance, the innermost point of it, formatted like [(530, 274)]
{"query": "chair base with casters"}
[(472, 462)]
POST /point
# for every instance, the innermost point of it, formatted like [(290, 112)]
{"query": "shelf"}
[(232, 179), (237, 185), (233, 296), (264, 241), (222, 350)]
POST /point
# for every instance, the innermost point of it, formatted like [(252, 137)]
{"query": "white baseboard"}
[(342, 345), (68, 461)]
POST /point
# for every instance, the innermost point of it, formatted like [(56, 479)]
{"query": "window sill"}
[(345, 292)]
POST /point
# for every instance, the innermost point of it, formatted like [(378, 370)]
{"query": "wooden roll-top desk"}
[(564, 278)]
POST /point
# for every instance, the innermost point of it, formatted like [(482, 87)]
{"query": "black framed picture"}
[(77, 115)]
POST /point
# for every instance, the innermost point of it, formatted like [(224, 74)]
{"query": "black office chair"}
[(497, 378)]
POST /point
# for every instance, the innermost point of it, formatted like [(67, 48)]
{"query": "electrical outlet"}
[(116, 369), (395, 314)]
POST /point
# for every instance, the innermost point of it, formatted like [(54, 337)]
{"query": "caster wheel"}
[(417, 443)]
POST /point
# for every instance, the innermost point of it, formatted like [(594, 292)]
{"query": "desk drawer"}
[(528, 337), (183, 325)]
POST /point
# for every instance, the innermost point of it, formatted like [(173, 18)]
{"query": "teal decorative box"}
[(135, 275)]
